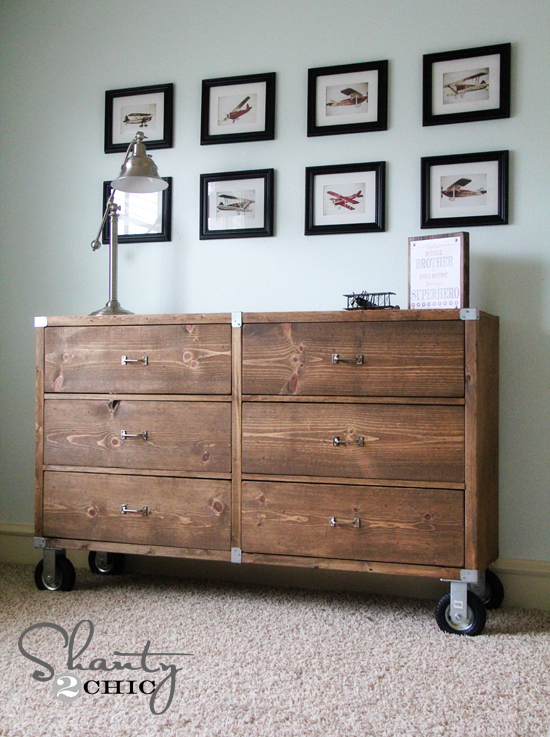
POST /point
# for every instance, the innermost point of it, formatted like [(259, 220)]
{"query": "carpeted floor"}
[(265, 662)]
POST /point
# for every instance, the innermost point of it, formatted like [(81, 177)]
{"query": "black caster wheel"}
[(65, 575), (494, 591), (110, 564), (473, 623)]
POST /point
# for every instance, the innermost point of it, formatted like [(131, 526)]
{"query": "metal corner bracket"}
[(469, 313), (236, 319), (40, 322), (236, 555), (39, 542)]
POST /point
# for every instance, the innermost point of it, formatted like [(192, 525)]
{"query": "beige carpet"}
[(268, 662)]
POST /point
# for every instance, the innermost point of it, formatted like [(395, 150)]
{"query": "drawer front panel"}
[(407, 442), (180, 436), (422, 526), (180, 359), (404, 359), (191, 513)]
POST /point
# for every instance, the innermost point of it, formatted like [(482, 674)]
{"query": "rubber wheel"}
[(473, 624), (494, 591), (65, 575), (113, 567)]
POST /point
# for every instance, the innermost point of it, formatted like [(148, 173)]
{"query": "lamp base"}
[(112, 308)]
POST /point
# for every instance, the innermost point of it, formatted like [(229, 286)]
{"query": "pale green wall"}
[(57, 58)]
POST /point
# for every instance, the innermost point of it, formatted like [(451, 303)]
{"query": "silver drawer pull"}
[(359, 441), (355, 523), (143, 360), (124, 435), (144, 511), (358, 360)]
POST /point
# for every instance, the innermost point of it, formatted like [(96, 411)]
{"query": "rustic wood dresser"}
[(358, 441)]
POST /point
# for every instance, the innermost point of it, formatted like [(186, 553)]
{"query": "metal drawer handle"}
[(144, 511), (358, 360), (124, 435), (355, 523), (359, 441), (143, 360)]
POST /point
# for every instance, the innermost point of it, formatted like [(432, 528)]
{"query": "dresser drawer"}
[(163, 359), (401, 359), (414, 442), (422, 526), (179, 436), (191, 513)]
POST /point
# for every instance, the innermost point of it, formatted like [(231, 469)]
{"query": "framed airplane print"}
[(464, 189), (238, 109), (351, 98), (466, 85), (145, 217), (148, 109), (346, 198), (237, 204)]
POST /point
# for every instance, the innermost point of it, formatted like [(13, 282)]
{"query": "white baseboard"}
[(526, 582)]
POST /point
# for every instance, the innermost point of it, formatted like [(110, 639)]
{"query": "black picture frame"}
[(363, 211), (449, 205), (324, 82), (224, 212), (163, 231), (159, 100), (224, 97), (487, 68)]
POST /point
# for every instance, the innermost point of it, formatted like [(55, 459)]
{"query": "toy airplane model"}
[(340, 200), (354, 98), (238, 111), (370, 301), (240, 204), (473, 83), (140, 119), (455, 190)]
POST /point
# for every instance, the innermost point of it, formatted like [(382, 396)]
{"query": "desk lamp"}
[(137, 174)]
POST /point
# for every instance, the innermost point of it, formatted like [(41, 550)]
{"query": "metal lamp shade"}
[(139, 172)]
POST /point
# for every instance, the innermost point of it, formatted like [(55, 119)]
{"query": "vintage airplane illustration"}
[(234, 204), (353, 98), (238, 111), (473, 83), (339, 200), (455, 190), (140, 119)]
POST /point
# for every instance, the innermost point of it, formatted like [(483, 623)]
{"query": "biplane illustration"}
[(238, 111), (353, 98), (455, 190), (340, 200), (473, 83), (140, 119), (234, 204)]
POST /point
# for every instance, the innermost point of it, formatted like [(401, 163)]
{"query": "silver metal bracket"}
[(39, 542), (470, 580), (236, 319), (469, 313), (40, 322), (236, 555), (49, 557)]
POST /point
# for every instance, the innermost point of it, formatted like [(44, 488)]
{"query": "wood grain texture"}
[(161, 551), (39, 431), (198, 318), (180, 435), (408, 442), (182, 359), (236, 435), (419, 526), (192, 513), (352, 316), (419, 359), (482, 414)]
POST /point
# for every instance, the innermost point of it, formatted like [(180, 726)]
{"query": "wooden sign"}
[(439, 271)]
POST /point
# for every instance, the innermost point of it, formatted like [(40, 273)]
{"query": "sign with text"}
[(438, 272)]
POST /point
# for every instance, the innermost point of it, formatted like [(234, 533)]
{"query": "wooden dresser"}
[(362, 440)]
